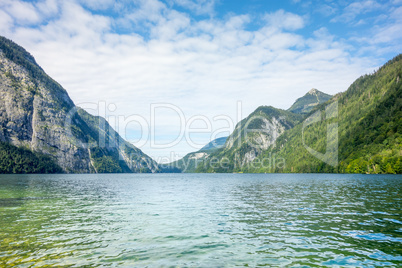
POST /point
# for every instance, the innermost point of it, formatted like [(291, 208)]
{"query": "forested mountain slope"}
[(369, 128), (251, 137), (356, 131)]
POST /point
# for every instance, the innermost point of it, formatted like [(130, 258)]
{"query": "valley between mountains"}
[(356, 131)]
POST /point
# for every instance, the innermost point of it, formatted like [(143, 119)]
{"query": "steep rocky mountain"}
[(250, 138), (191, 161), (37, 114), (356, 131), (306, 103)]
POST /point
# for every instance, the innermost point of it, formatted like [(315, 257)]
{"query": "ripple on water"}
[(211, 220)]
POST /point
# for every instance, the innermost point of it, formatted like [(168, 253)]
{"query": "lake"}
[(201, 220)]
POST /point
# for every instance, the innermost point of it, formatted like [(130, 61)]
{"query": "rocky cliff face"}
[(37, 113), (258, 132), (251, 137)]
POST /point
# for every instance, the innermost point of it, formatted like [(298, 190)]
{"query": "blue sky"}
[(182, 72)]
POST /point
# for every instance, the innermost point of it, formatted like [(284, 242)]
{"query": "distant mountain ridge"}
[(37, 114), (215, 144), (190, 161)]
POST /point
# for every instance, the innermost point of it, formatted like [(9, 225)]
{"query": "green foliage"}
[(105, 161), (21, 160)]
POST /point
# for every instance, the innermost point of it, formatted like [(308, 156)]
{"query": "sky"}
[(172, 75)]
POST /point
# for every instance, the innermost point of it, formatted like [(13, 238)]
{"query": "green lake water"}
[(201, 220)]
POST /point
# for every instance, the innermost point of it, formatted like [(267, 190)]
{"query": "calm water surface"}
[(201, 220)]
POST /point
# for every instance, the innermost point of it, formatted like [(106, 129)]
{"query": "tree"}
[(388, 169)]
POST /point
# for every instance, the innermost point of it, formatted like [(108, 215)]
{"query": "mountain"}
[(246, 142), (306, 103), (38, 120), (215, 144), (356, 131), (190, 161), (250, 138)]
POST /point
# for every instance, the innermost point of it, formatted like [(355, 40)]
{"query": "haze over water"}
[(201, 220)]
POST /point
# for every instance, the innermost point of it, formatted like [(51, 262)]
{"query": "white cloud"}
[(48, 7), (200, 7), (385, 36), (22, 12), (355, 9), (285, 20), (148, 10), (391, 32), (6, 23), (397, 14), (98, 4), (326, 9), (169, 26)]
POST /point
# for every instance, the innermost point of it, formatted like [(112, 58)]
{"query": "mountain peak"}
[(313, 91), (311, 99)]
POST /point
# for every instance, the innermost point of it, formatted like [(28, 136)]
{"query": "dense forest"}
[(21, 160)]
